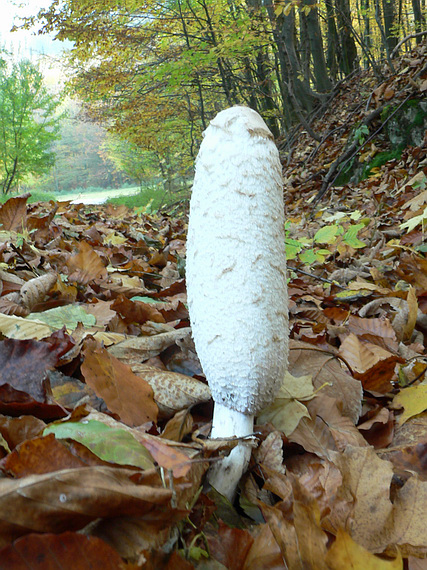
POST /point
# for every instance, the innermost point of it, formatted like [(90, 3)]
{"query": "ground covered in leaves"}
[(104, 411)]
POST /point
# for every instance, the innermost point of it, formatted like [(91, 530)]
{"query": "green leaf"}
[(309, 256), (293, 247), (108, 443), (328, 234), (414, 222), (350, 237), (69, 316), (146, 299)]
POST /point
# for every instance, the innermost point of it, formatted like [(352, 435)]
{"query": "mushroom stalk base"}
[(226, 474)]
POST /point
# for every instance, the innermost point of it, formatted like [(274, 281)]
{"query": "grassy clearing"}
[(95, 195), (151, 199), (36, 196)]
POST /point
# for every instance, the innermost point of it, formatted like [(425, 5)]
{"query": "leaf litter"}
[(105, 412)]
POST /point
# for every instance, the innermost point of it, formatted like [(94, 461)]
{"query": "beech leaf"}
[(413, 400), (345, 553), (286, 410), (110, 444)]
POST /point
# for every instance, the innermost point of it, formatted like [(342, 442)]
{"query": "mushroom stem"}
[(225, 475)]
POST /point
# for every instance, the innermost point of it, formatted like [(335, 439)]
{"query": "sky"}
[(24, 43)]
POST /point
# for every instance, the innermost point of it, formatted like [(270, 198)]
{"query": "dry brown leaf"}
[(367, 479), (71, 498), (265, 552), (371, 364), (342, 429), (13, 214), (408, 524), (66, 550), (86, 265), (314, 436), (325, 368), (409, 326), (124, 393), (138, 349), (130, 536), (172, 391), (35, 290), (179, 426), (270, 452), (408, 449), (285, 536), (311, 538)]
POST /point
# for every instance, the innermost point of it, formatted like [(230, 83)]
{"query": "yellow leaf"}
[(345, 554), (413, 400), (114, 238), (287, 410), (412, 314)]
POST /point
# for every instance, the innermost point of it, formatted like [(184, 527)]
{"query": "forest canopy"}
[(155, 73)]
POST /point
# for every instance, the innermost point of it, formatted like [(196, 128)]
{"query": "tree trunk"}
[(333, 52), (321, 76), (389, 20), (348, 61), (419, 19), (299, 97)]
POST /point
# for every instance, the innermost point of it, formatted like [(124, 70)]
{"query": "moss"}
[(380, 159)]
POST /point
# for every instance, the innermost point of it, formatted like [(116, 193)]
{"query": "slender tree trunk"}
[(389, 14), (300, 97), (367, 38), (348, 60), (419, 20), (321, 76), (333, 51)]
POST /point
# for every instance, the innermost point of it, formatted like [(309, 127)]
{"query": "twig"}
[(323, 279)]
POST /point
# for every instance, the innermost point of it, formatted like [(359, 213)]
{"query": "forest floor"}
[(105, 414)]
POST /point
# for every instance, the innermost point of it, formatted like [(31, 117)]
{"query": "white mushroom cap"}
[(236, 266)]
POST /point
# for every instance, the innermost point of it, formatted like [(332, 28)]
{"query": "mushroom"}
[(236, 278)]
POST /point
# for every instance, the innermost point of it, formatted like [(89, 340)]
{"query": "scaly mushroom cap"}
[(236, 266)]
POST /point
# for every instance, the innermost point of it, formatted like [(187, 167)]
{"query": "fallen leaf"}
[(413, 400), (230, 546), (71, 498), (110, 444), (124, 393), (86, 265), (173, 392), (66, 550), (270, 452), (264, 552), (45, 455), (346, 554), (326, 372), (286, 410), (366, 480), (13, 213), (311, 538), (136, 350)]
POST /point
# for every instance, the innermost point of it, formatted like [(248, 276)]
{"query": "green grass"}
[(36, 196), (151, 199)]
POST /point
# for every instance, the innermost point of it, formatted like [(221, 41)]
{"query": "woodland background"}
[(104, 410)]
